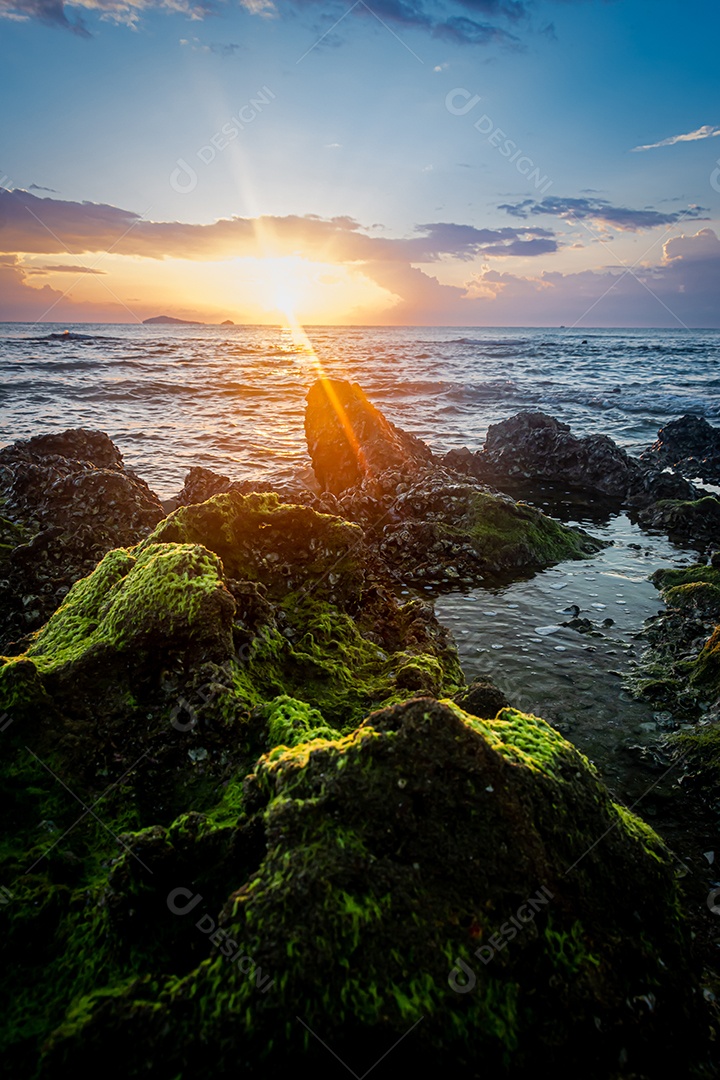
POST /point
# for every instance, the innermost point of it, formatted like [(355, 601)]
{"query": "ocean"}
[(232, 399)]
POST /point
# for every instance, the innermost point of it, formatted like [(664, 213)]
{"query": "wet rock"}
[(691, 446), (67, 500), (505, 941), (693, 520), (531, 447), (431, 525), (482, 699), (200, 485), (349, 440)]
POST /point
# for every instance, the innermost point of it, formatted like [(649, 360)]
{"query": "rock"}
[(694, 520), (349, 440), (691, 446), (531, 447), (682, 669), (482, 698), (200, 485), (67, 500), (431, 878), (428, 523), (224, 607)]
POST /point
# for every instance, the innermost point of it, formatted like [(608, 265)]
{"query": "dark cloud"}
[(32, 225), (458, 28), (59, 268), (39, 187), (468, 32), (54, 12), (48, 12), (599, 210)]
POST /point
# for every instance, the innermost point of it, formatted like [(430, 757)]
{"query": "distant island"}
[(169, 320)]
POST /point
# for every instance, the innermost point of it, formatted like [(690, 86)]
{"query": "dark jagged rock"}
[(691, 446), (531, 449), (200, 485), (533, 446), (430, 871), (431, 525), (482, 698), (349, 440), (694, 520), (66, 500)]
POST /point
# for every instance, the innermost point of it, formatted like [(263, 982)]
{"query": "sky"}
[(395, 162)]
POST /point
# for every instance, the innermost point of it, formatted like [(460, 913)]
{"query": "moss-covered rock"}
[(134, 714), (442, 532), (694, 520), (681, 671), (66, 499), (466, 886), (430, 523)]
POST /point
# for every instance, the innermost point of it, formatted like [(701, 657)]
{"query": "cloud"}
[(218, 48), (129, 12), (600, 211), (32, 225), (39, 187), (707, 131), (681, 290), (59, 268), (461, 29)]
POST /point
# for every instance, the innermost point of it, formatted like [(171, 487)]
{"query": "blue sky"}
[(355, 119)]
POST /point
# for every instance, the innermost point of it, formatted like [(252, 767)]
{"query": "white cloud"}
[(707, 131)]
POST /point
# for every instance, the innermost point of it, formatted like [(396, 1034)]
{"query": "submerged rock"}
[(66, 500), (691, 446), (465, 886)]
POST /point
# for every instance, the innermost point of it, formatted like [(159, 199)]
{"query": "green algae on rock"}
[(149, 693), (388, 859), (66, 500), (431, 524), (681, 670), (169, 622)]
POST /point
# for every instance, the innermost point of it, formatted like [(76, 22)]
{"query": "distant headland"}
[(170, 320)]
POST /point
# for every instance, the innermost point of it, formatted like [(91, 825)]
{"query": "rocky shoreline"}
[(301, 827)]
